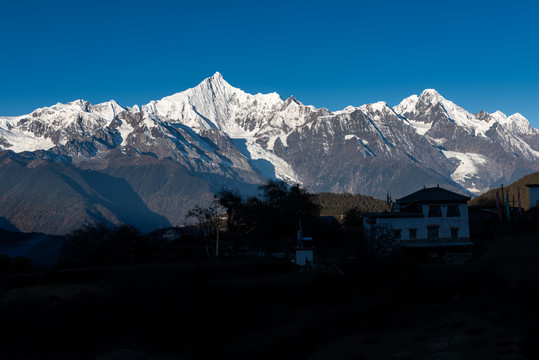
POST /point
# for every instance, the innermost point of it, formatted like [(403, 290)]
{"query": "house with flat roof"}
[(431, 217)]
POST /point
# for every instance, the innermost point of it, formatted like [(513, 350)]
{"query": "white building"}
[(304, 250), (534, 195), (430, 217)]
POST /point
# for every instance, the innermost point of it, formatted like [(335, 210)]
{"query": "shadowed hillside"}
[(53, 198), (40, 248), (488, 199), (166, 187), (337, 205)]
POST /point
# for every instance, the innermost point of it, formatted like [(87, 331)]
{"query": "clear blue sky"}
[(483, 55)]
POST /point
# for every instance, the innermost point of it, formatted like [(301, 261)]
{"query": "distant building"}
[(431, 217), (534, 195), (304, 249)]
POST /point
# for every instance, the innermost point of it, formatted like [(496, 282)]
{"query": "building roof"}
[(434, 195), (395, 214)]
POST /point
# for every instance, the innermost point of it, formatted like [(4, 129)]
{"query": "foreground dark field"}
[(261, 308)]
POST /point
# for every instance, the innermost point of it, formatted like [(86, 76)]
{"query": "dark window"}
[(453, 211), (371, 220), (434, 211), (454, 233), (413, 233), (413, 207), (397, 233), (433, 232)]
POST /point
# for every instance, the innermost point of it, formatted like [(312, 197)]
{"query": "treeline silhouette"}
[(233, 225), (337, 205), (269, 221)]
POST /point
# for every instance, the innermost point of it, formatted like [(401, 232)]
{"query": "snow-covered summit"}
[(213, 103), (519, 124), (431, 95), (414, 108), (106, 110), (406, 105), (215, 127), (377, 106), (47, 127)]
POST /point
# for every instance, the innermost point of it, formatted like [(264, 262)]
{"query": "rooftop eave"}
[(437, 202), (395, 215)]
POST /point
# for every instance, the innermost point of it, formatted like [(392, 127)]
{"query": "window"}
[(412, 233), (454, 233), (397, 234), (453, 211), (434, 211), (371, 220), (433, 233)]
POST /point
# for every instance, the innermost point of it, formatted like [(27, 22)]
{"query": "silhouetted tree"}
[(277, 213), (272, 216), (11, 265), (100, 244), (206, 219), (84, 245), (274, 193), (353, 218), (232, 202), (379, 240)]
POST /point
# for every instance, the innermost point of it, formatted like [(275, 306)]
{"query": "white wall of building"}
[(304, 256), (422, 224)]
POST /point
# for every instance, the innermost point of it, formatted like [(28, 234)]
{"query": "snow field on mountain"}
[(282, 169), (124, 129), (467, 168), (23, 141), (420, 127)]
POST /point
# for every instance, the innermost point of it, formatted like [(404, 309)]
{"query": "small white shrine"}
[(304, 249)]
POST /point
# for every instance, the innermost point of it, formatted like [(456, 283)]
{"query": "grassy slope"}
[(489, 198)]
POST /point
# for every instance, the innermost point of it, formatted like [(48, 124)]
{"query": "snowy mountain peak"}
[(217, 128), (107, 110), (113, 103), (430, 95), (77, 104), (215, 81), (292, 99), (517, 117), (498, 114), (519, 124), (380, 106), (406, 105)]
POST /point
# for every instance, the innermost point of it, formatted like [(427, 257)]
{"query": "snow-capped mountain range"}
[(217, 129)]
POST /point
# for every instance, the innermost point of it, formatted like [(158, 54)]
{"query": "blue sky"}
[(482, 55)]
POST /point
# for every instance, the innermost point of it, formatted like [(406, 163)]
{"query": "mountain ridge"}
[(224, 135), (258, 119)]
